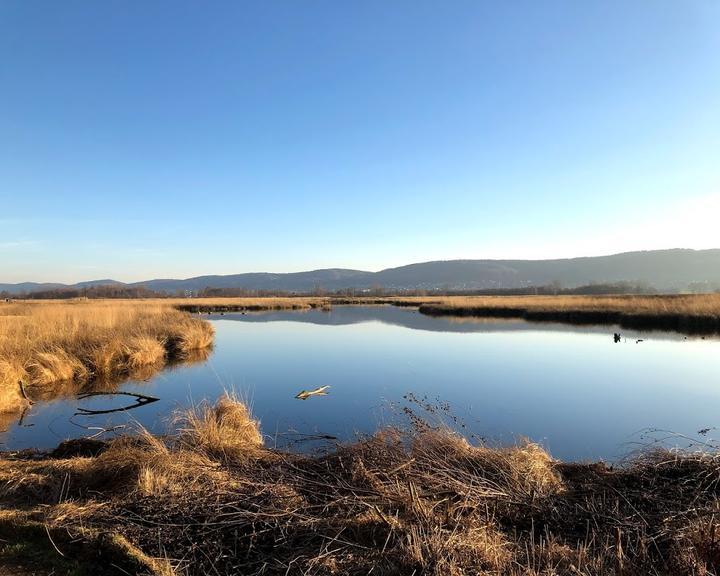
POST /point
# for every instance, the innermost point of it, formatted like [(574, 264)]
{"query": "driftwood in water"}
[(305, 394), (140, 400)]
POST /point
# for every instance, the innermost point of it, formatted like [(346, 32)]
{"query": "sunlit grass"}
[(690, 304), (693, 305), (44, 343)]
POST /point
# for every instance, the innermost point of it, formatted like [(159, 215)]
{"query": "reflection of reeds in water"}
[(66, 389), (71, 388), (193, 357), (482, 321), (46, 345)]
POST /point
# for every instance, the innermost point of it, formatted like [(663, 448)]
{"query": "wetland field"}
[(451, 435)]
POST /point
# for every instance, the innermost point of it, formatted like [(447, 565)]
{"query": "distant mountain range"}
[(663, 269)]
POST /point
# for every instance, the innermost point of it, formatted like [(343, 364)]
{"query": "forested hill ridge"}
[(677, 269)]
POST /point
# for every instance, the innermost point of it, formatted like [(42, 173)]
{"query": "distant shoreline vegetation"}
[(112, 291), (687, 313)]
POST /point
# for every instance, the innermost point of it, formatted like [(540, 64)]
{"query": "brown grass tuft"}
[(54, 366), (192, 335), (226, 431), (141, 351), (526, 469)]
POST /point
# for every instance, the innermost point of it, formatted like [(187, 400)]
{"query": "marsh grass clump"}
[(55, 365), (225, 430), (190, 335), (48, 344), (141, 351)]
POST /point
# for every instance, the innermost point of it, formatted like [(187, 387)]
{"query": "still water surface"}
[(572, 389)]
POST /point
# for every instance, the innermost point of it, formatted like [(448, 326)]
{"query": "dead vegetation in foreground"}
[(210, 499), (52, 346)]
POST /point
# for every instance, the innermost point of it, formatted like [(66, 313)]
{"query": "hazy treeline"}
[(103, 291), (121, 291)]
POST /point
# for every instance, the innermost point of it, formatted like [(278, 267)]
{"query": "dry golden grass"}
[(225, 430), (690, 305), (145, 350), (46, 343), (33, 544), (247, 304), (422, 502), (682, 313), (11, 399), (189, 334)]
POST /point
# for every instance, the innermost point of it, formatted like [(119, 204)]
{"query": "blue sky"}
[(175, 138)]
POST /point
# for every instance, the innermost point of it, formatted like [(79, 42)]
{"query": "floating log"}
[(305, 394)]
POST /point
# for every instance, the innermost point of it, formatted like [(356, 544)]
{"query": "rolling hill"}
[(663, 269)]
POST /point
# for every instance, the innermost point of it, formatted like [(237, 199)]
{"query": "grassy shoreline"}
[(690, 314), (696, 314), (46, 347), (211, 499)]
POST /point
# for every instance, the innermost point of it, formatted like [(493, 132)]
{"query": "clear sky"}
[(174, 138)]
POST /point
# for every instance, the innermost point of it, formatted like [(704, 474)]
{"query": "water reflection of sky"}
[(571, 388)]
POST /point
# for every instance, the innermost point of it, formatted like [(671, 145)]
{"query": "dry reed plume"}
[(210, 499)]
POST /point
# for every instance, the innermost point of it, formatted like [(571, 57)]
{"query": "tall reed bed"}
[(44, 344)]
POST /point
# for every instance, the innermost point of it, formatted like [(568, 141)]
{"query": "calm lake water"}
[(572, 389)]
